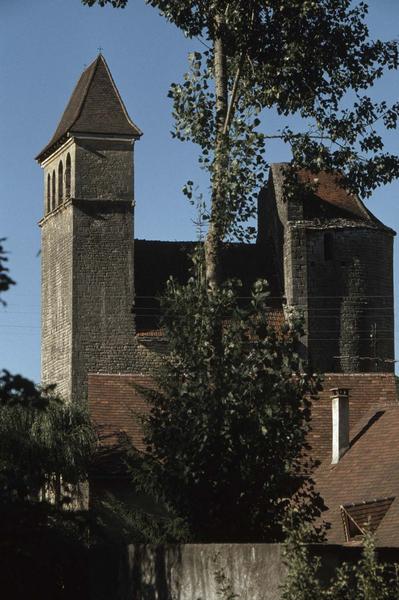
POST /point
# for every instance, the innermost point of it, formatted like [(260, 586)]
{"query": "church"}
[(324, 254)]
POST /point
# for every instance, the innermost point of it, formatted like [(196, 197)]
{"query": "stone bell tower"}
[(87, 262)]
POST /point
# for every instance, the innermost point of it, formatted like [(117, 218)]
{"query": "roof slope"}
[(366, 392), (368, 471), (116, 405), (330, 203), (328, 190), (367, 474), (365, 480), (95, 107)]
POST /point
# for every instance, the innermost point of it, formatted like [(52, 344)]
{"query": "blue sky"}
[(44, 46)]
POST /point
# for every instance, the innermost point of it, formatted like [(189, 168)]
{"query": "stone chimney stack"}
[(340, 423)]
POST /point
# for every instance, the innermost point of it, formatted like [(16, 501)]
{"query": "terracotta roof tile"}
[(329, 203), (368, 471), (328, 189), (116, 405), (276, 319), (95, 107), (366, 391)]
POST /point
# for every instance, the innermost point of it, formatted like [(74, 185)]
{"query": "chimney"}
[(340, 423)]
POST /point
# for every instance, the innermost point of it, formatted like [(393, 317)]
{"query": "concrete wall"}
[(187, 572)]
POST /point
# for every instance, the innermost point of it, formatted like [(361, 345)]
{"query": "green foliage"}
[(227, 424), (367, 579), (45, 451), (309, 58), (42, 440), (244, 169), (44, 552), (302, 578), (5, 279), (137, 518)]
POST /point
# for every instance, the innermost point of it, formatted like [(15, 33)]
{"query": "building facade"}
[(323, 253)]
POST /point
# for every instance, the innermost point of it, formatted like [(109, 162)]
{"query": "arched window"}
[(48, 207), (53, 191), (60, 183), (68, 177)]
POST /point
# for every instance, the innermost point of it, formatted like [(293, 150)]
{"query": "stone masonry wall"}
[(103, 324), (350, 299), (295, 276), (104, 170), (87, 266), (338, 273), (56, 256)]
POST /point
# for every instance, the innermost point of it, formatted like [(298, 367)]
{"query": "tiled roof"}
[(329, 203), (367, 471), (367, 475), (366, 391), (276, 319), (151, 333), (95, 107), (328, 190), (365, 482), (116, 404)]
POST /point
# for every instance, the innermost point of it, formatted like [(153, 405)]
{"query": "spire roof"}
[(95, 107)]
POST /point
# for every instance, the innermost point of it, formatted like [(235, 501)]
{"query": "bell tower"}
[(87, 237)]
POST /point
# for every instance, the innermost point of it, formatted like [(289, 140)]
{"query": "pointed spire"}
[(95, 107)]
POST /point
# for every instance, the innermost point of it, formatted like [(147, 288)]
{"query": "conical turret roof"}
[(95, 107)]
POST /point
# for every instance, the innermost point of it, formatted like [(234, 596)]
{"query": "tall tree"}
[(311, 58), (224, 454)]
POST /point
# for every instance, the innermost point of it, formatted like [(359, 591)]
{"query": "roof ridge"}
[(93, 65), (94, 107), (118, 94)]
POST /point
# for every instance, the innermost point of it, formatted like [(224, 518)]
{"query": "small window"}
[(364, 516), (68, 177), (328, 246), (53, 191), (60, 183), (48, 207)]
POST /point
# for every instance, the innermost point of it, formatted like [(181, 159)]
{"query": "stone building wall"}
[(104, 169), (338, 273), (56, 257), (350, 299), (87, 265), (103, 323)]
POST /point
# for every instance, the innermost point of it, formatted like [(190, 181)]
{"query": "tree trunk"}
[(213, 242)]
